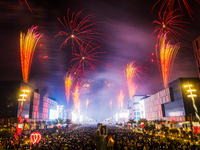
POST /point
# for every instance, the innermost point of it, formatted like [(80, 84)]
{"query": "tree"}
[(131, 121), (55, 128), (142, 120), (158, 121), (152, 127), (165, 129)]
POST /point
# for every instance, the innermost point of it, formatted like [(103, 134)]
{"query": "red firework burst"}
[(27, 5), (88, 56), (76, 72), (79, 32), (170, 5), (169, 23)]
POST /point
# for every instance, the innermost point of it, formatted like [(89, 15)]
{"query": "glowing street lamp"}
[(22, 99), (190, 90)]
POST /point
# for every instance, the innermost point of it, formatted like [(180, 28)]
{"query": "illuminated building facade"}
[(136, 107), (48, 104), (196, 47), (34, 106), (9, 104), (173, 103), (153, 104)]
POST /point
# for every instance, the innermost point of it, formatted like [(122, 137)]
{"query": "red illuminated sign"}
[(35, 137)]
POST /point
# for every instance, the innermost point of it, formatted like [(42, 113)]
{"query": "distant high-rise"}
[(196, 47)]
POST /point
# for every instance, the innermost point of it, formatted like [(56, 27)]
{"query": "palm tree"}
[(165, 129), (131, 121)]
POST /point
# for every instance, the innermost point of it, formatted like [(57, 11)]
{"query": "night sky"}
[(128, 25)]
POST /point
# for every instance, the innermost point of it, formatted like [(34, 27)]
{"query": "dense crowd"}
[(85, 138)]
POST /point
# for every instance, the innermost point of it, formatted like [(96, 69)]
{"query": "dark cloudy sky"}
[(128, 24)]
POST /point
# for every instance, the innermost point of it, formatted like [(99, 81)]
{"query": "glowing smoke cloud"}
[(69, 79), (166, 54), (110, 104), (28, 44), (120, 99), (87, 102), (76, 95)]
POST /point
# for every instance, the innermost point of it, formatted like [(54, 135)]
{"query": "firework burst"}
[(69, 79), (120, 99), (27, 5), (76, 72), (28, 44), (169, 23), (166, 54), (169, 4), (79, 32), (87, 57)]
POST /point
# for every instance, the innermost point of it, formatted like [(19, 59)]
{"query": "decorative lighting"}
[(35, 137)]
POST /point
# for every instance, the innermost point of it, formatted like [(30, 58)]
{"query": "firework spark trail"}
[(28, 44), (169, 23), (87, 102), (79, 32), (88, 56), (76, 95), (27, 5), (132, 70), (69, 79), (166, 54), (120, 99), (169, 4)]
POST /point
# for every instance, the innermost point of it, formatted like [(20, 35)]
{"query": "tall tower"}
[(196, 47)]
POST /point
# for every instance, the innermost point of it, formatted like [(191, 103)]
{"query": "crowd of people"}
[(86, 138)]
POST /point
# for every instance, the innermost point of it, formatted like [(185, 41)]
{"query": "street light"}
[(22, 99), (190, 90)]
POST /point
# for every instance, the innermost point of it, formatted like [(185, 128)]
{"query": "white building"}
[(136, 107)]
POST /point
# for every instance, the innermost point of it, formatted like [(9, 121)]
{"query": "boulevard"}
[(88, 137)]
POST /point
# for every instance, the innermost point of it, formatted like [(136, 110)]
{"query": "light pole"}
[(22, 99), (190, 90)]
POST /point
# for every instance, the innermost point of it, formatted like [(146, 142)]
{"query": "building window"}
[(138, 113)]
